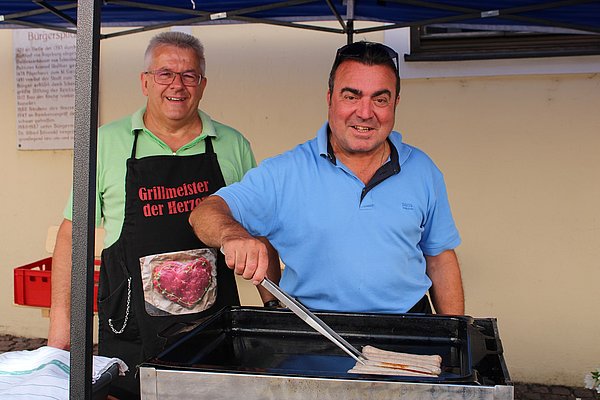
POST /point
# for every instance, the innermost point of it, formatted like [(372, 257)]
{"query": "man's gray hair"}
[(177, 39)]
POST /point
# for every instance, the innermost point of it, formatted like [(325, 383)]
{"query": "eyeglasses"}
[(362, 50), (166, 77)]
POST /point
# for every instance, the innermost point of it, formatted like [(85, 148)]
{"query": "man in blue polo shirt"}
[(361, 220)]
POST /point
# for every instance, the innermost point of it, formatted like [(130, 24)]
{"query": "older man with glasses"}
[(153, 167), (360, 219)]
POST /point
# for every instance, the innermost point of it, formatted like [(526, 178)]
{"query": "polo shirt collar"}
[(208, 128)]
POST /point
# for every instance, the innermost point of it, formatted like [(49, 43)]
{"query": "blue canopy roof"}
[(62, 14)]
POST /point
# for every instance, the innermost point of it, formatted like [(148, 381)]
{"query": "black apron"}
[(160, 193)]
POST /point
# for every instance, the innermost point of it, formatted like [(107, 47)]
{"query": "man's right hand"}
[(214, 225), (247, 256)]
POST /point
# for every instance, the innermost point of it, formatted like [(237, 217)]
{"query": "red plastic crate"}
[(33, 283)]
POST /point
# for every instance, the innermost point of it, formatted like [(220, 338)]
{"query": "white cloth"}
[(43, 373)]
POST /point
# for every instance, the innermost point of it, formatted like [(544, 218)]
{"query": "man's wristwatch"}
[(272, 304)]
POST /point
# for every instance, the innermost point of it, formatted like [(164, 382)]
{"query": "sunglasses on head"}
[(359, 50)]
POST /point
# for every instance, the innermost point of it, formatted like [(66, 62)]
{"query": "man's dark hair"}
[(368, 53)]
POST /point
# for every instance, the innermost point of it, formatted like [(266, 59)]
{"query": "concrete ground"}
[(523, 391)]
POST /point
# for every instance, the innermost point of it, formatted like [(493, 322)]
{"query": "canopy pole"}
[(349, 31), (350, 23), (84, 198)]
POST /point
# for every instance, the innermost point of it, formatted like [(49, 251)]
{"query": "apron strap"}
[(134, 143), (208, 145)]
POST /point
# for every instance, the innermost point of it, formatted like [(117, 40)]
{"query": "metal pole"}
[(84, 199), (350, 22), (349, 31)]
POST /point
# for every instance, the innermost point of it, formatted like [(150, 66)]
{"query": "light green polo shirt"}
[(115, 141)]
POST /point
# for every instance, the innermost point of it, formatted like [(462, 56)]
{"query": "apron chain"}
[(118, 332)]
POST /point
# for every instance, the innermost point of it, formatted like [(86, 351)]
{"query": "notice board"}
[(44, 88)]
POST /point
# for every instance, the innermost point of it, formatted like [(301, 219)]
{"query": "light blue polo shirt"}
[(341, 253)]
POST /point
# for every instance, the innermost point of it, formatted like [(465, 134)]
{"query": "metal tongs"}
[(315, 322)]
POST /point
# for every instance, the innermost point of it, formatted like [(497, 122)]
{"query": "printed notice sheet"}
[(44, 88)]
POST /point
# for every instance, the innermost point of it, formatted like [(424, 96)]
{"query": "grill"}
[(272, 354)]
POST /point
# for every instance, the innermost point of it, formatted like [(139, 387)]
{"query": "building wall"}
[(519, 154)]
